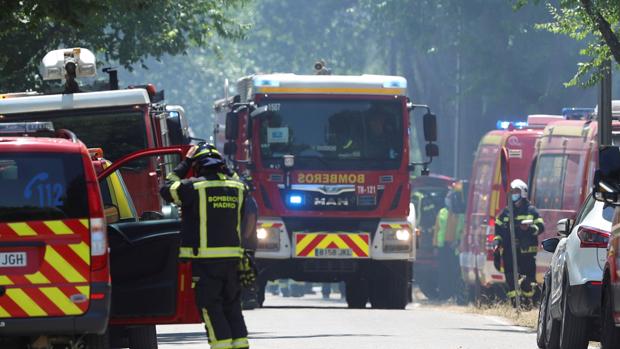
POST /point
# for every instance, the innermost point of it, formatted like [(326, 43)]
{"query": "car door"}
[(144, 253), (558, 262)]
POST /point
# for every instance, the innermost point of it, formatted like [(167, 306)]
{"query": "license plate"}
[(13, 259), (333, 252)]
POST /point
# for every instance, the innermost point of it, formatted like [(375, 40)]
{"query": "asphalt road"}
[(310, 322)]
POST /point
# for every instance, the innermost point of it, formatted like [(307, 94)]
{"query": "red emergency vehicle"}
[(562, 174), (330, 159), (487, 198)]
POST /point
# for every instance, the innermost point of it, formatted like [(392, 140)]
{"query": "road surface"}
[(310, 322)]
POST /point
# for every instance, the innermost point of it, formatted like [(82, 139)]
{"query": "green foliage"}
[(594, 23), (123, 31)]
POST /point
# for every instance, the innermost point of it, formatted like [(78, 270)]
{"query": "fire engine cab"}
[(329, 157)]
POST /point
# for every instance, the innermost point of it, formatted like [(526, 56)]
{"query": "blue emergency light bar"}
[(504, 125), (577, 113)]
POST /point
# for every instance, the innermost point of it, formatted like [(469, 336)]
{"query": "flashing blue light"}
[(577, 113), (395, 83), (504, 125), (295, 200), (271, 83)]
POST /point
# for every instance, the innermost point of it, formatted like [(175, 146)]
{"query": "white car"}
[(571, 298)]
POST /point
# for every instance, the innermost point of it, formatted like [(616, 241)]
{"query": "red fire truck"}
[(487, 199), (330, 159)]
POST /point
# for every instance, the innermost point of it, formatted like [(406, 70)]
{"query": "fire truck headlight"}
[(261, 233)]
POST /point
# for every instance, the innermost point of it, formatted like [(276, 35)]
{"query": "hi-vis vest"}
[(211, 224)]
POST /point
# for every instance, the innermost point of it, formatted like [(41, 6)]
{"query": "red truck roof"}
[(41, 144)]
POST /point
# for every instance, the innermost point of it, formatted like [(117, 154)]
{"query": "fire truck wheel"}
[(97, 341), (357, 293), (388, 290), (143, 337)]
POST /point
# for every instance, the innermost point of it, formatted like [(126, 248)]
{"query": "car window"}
[(585, 209), (38, 186), (608, 213)]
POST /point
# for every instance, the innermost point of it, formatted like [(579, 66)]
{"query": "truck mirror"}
[(430, 127), (232, 126), (607, 177), (230, 148), (432, 150)]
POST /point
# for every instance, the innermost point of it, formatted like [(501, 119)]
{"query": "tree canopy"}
[(120, 31), (595, 23)]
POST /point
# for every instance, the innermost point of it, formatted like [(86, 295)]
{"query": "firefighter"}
[(448, 230), (528, 225), (249, 241), (213, 209)]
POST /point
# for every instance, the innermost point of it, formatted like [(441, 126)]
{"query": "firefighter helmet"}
[(207, 155), (519, 184)]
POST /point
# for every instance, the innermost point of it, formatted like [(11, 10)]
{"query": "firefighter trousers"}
[(526, 263), (218, 298)]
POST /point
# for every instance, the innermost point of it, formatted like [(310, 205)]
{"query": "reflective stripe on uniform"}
[(219, 183), (528, 294), (173, 192), (511, 294), (211, 252), (531, 249), (497, 238), (523, 217), (539, 220), (223, 344), (209, 326), (240, 343), (202, 209), (173, 177)]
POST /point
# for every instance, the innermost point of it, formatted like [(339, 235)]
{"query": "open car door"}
[(149, 284)]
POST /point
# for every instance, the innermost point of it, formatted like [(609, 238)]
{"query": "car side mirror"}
[(550, 245), (232, 126), (564, 226), (430, 127)]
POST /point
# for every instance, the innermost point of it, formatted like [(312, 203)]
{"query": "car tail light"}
[(98, 234), (592, 237)]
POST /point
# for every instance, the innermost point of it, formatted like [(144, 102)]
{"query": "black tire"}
[(97, 341), (542, 318), (610, 334), (357, 294), (388, 289), (574, 330), (143, 337)]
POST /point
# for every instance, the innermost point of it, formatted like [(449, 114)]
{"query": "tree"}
[(121, 31), (594, 22)]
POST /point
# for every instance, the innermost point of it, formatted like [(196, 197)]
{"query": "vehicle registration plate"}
[(333, 252), (13, 259)]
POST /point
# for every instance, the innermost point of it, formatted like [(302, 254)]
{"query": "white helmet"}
[(519, 184)]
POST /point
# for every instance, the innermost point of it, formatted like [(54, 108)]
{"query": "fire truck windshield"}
[(333, 133), (117, 132)]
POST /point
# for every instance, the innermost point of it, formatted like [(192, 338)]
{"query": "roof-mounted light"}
[(577, 113), (79, 61), (400, 83), (263, 83), (15, 128), (508, 125)]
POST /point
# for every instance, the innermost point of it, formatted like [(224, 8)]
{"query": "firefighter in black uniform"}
[(213, 208), (528, 225)]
